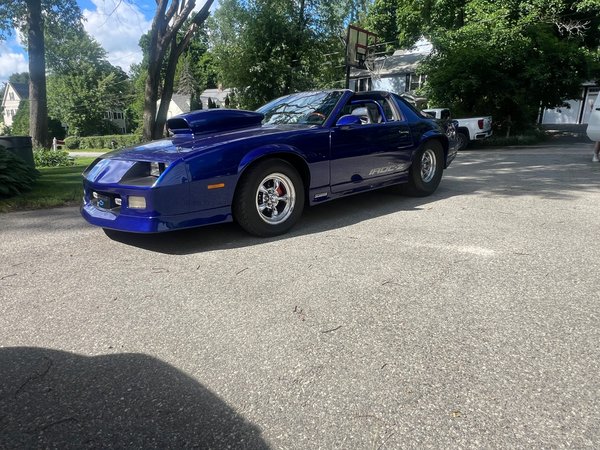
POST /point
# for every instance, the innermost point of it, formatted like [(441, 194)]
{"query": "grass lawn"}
[(58, 186)]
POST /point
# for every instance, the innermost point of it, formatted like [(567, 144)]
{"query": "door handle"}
[(403, 132), (597, 109)]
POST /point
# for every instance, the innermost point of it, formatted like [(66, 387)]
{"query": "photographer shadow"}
[(55, 399)]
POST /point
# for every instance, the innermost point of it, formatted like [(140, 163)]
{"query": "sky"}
[(116, 24)]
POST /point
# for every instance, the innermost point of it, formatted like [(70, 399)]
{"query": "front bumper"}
[(152, 224)]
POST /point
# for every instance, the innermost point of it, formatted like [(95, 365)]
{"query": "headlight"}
[(144, 173)]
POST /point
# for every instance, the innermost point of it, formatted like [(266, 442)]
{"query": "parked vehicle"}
[(260, 168), (467, 130)]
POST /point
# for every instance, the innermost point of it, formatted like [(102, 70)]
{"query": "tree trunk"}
[(150, 99), (38, 105), (167, 92), (165, 26)]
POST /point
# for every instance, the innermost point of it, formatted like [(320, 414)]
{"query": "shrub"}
[(52, 158), (532, 137), (15, 175), (103, 142)]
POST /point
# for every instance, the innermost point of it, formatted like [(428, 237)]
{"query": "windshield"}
[(309, 108)]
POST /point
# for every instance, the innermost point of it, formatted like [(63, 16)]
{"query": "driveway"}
[(470, 318)]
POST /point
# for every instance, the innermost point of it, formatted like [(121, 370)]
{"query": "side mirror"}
[(347, 121)]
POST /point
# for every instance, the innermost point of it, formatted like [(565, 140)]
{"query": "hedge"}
[(15, 175), (104, 142), (52, 158)]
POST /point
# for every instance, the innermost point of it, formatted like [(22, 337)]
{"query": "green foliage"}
[(22, 77), (20, 126), (83, 85), (103, 142), (532, 137), (16, 176), (52, 158), (57, 186), (506, 59), (268, 48), (58, 15)]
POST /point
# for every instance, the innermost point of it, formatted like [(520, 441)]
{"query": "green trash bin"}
[(20, 146)]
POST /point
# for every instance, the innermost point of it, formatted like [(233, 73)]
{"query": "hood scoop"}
[(213, 120)]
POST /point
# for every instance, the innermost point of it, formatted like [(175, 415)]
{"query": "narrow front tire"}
[(269, 199)]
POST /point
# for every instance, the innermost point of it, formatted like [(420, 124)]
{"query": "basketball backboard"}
[(359, 44)]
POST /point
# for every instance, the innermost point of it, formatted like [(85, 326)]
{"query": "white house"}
[(218, 96), (179, 104), (117, 117), (395, 73), (13, 94)]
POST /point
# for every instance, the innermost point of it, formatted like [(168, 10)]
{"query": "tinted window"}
[(310, 108)]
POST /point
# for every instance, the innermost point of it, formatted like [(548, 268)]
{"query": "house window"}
[(107, 115), (118, 115), (11, 96), (363, 84), (417, 81)]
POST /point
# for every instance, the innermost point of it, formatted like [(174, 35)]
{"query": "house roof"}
[(183, 102), (218, 94), (399, 63), (22, 90)]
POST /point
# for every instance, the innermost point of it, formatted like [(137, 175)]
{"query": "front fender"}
[(261, 152)]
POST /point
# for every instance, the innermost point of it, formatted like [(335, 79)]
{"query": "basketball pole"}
[(346, 59)]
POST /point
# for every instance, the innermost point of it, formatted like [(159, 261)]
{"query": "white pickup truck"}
[(468, 130)]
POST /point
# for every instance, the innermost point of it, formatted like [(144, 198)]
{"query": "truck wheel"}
[(269, 199), (426, 171), (462, 140)]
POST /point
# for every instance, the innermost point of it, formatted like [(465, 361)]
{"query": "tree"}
[(165, 45), (269, 48), (29, 17), (20, 126), (83, 85), (504, 58)]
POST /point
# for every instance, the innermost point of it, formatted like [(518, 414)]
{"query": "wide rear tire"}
[(269, 198), (426, 171)]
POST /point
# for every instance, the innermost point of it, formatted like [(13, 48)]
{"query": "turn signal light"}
[(136, 202)]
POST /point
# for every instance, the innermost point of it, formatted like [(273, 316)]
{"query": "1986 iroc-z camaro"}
[(261, 168)]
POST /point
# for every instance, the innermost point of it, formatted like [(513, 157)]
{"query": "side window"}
[(391, 114)]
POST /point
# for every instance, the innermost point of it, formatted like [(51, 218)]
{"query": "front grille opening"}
[(106, 201)]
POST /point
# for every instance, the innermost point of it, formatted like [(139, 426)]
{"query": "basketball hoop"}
[(374, 66), (359, 53)]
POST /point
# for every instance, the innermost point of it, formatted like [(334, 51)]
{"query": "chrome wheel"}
[(275, 198), (428, 165)]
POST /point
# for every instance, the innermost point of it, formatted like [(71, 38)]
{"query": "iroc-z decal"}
[(387, 169)]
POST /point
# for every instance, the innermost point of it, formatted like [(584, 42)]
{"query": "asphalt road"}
[(470, 318)]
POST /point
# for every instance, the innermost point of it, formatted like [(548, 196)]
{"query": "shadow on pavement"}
[(321, 218), (54, 399), (560, 173)]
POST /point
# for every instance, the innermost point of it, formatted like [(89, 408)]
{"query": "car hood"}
[(196, 135)]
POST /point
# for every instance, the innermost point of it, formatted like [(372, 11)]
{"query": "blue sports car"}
[(261, 168)]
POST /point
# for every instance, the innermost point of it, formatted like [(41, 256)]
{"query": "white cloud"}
[(117, 26), (11, 61)]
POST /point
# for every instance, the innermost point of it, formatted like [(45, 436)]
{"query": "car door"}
[(372, 153)]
